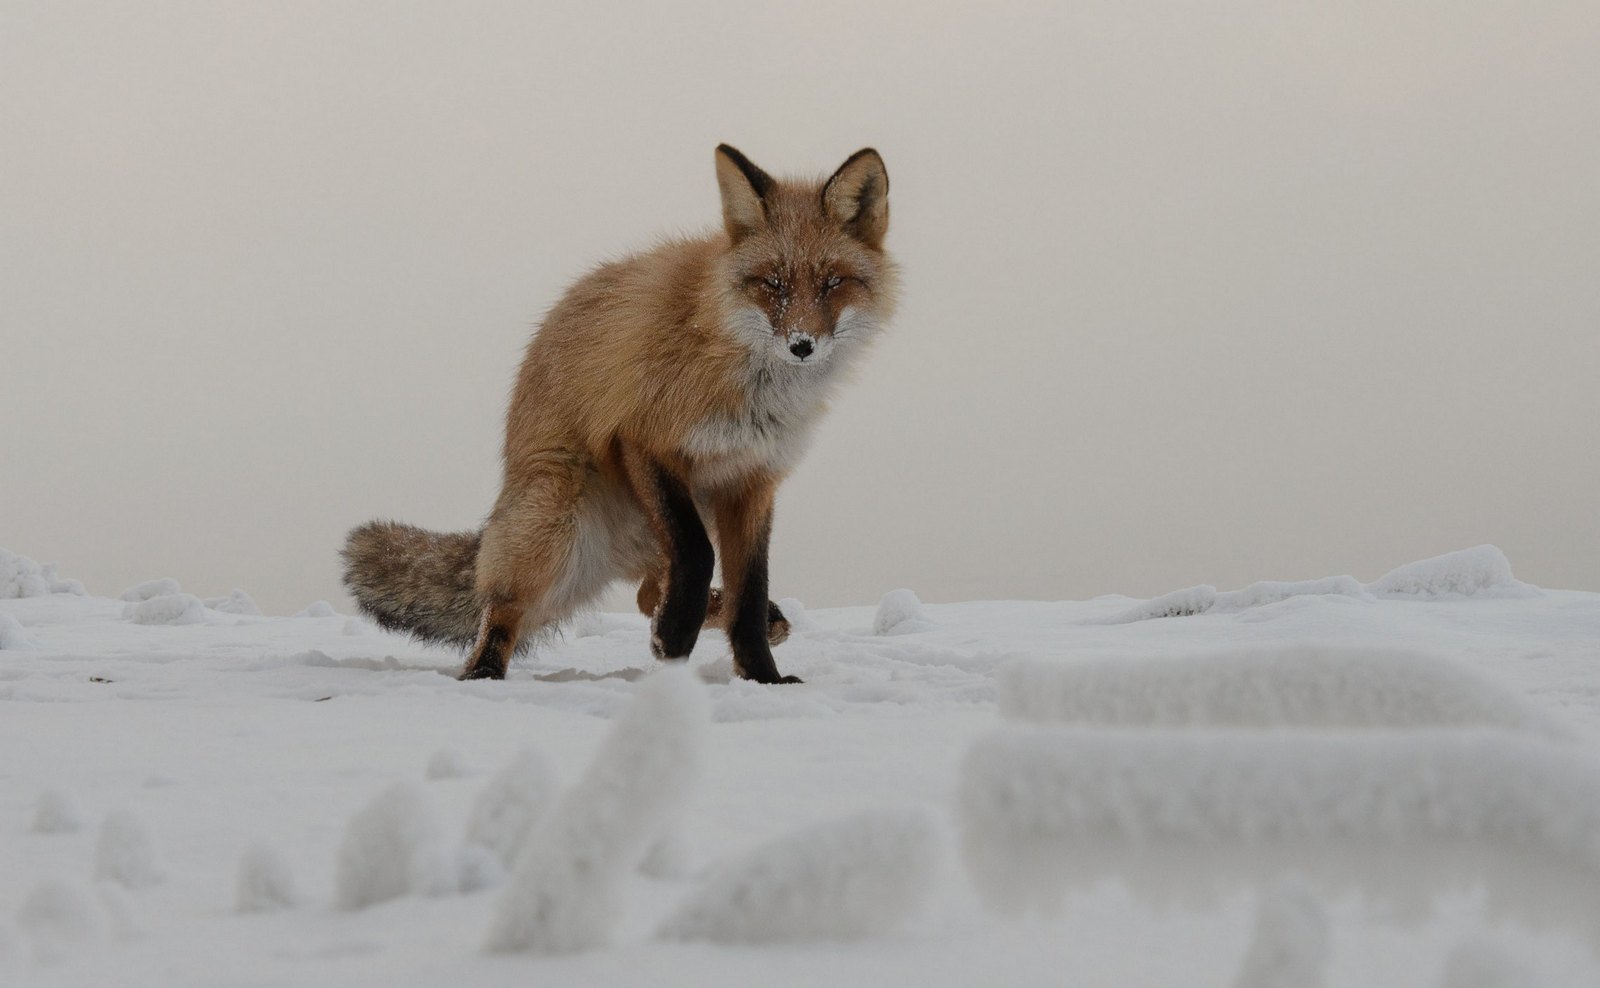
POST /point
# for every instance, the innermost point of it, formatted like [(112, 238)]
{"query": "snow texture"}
[(795, 613), (124, 853), (447, 763), (22, 577), (667, 857), (900, 613), (1289, 946), (15, 638), (178, 608), (318, 609), (393, 846), (150, 589), (59, 919), (513, 801), (57, 813), (1301, 686), (1271, 591), (1483, 571), (857, 877), (1483, 964), (1043, 809), (237, 602), (265, 882), (565, 893), (1178, 603)]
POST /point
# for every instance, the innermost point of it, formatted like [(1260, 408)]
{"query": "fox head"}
[(806, 274)]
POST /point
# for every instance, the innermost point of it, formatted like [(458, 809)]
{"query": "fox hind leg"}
[(650, 593)]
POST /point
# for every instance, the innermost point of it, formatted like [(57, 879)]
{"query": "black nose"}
[(801, 348)]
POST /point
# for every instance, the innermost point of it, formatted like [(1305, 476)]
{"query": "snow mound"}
[(477, 868), (1481, 964), (59, 919), (237, 602), (1045, 809), (317, 609), (1271, 591), (14, 637), (565, 892), (667, 857), (149, 589), (447, 763), (1482, 571), (900, 613), (57, 813), (265, 883), (178, 608), (124, 854), (795, 613), (846, 879), (1178, 603), (1289, 946), (392, 847), (515, 799), (22, 577), (1265, 686)]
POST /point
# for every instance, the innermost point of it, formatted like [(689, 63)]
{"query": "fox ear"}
[(857, 197), (744, 192)]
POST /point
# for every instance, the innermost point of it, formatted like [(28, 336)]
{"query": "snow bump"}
[(392, 847), (1483, 571)]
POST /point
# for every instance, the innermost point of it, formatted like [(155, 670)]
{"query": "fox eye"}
[(834, 281), (772, 282)]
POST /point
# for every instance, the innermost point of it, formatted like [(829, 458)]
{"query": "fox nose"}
[(801, 348)]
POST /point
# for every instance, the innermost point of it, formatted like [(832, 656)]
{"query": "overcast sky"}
[(1195, 293)]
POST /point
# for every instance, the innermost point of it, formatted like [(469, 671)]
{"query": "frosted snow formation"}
[(795, 613), (1044, 809), (237, 602), (393, 846), (149, 589), (447, 763), (1178, 603), (57, 813), (515, 798), (1482, 571), (59, 919), (1271, 591), (900, 613), (667, 856), (14, 637), (565, 893), (320, 608), (265, 882), (22, 577), (846, 879), (1289, 946), (1483, 964), (1264, 686), (178, 608), (124, 853)]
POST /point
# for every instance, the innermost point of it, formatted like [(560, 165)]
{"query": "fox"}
[(658, 406)]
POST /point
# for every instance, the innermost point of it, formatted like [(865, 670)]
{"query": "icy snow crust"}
[(1326, 781)]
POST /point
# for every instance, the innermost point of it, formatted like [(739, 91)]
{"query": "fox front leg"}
[(744, 530), (681, 610)]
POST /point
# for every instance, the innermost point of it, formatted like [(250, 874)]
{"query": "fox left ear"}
[(857, 196)]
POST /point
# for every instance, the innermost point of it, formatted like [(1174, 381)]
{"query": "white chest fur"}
[(771, 431)]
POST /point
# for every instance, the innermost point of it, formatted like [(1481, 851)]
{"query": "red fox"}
[(659, 405)]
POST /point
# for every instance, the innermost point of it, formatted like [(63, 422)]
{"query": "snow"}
[(1421, 766), (857, 877), (566, 889), (318, 609), (394, 846), (237, 602), (1483, 571), (176, 608), (125, 853), (1178, 603), (150, 589), (22, 577), (14, 637), (1289, 948), (899, 613), (1305, 686)]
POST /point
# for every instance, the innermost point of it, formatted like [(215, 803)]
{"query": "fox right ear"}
[(744, 192)]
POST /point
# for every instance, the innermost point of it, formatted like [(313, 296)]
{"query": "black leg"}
[(689, 564)]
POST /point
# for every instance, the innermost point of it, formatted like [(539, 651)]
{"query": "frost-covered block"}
[(857, 877), (15, 638), (1042, 810), (181, 608), (164, 587), (318, 609), (265, 882), (565, 892), (392, 847), (57, 813), (1482, 571), (1179, 603), (58, 919), (125, 854), (1269, 686), (237, 602), (1271, 591), (447, 763), (1289, 946), (514, 799), (900, 613)]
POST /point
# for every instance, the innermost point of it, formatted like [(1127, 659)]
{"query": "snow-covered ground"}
[(1290, 784)]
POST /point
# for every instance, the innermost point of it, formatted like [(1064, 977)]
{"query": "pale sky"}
[(1194, 293)]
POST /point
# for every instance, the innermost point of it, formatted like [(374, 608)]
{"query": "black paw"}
[(482, 672)]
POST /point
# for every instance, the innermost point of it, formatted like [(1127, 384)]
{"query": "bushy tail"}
[(409, 579)]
